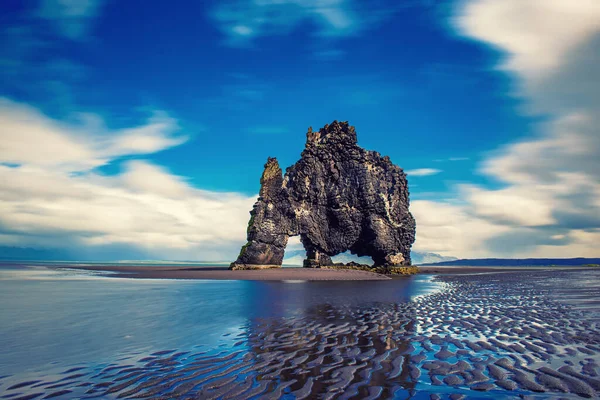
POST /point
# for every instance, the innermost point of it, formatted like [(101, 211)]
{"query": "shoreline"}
[(223, 273), (459, 269), (279, 274)]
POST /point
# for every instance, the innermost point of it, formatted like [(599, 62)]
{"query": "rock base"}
[(383, 269), (239, 267)]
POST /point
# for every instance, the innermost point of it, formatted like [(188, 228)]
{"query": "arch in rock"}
[(337, 197)]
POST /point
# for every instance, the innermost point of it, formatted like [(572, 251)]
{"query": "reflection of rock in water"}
[(339, 351), (490, 336)]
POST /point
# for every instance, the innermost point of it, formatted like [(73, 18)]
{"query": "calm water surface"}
[(51, 319)]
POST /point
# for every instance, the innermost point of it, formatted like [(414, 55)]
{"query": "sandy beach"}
[(280, 274), (223, 273)]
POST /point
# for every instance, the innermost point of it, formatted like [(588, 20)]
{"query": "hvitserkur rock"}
[(337, 197)]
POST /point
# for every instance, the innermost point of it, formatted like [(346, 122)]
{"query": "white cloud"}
[(568, 144), (515, 205), (550, 199), (31, 138), (42, 202), (449, 229), (456, 229), (423, 171), (581, 244), (72, 17), (242, 30), (294, 244), (537, 34)]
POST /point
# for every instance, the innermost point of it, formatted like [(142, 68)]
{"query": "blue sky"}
[(160, 117)]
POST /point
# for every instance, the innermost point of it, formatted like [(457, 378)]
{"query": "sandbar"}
[(223, 273)]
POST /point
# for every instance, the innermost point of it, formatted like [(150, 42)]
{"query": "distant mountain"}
[(296, 258), (429, 258), (31, 254), (518, 262), (99, 253), (347, 257)]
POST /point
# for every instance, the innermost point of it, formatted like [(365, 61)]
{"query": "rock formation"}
[(337, 197)]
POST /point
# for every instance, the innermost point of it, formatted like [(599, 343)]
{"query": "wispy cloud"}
[(449, 229), (550, 203), (244, 20), (451, 159), (37, 66), (423, 172), (72, 18), (33, 139), (52, 194), (537, 36)]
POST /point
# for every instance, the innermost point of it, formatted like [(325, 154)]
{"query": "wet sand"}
[(435, 269), (286, 273), (467, 269), (492, 336), (222, 273)]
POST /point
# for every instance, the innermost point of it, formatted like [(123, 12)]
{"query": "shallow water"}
[(70, 316), (71, 334)]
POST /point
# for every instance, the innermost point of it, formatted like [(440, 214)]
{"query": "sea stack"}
[(337, 197)]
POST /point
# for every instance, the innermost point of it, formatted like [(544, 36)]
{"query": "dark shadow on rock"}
[(337, 197)]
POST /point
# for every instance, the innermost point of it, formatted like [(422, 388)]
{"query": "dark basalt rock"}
[(337, 197)]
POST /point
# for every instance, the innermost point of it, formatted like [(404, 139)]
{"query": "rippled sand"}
[(498, 335)]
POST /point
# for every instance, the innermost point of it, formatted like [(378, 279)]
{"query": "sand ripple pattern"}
[(484, 336)]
